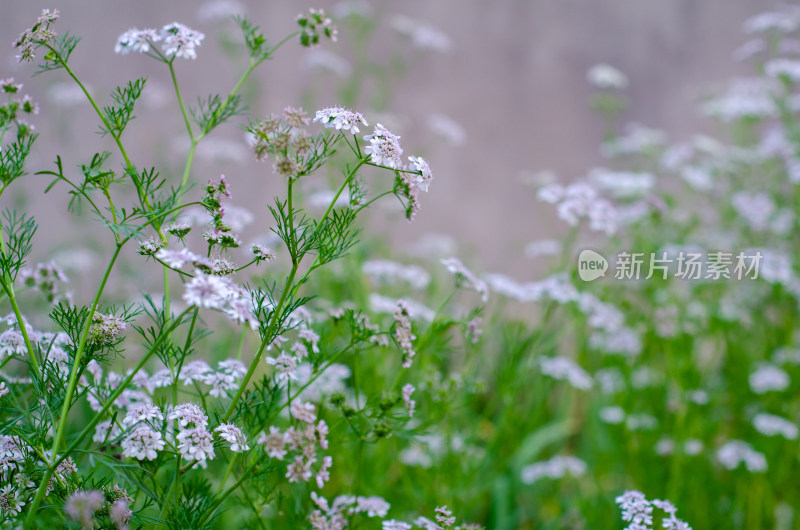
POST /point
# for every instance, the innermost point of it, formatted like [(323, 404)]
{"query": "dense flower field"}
[(315, 377)]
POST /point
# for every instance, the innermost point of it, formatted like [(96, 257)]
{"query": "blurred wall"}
[(514, 78)]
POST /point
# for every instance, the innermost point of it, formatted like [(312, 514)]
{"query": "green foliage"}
[(58, 57), (13, 157), (214, 110), (18, 231), (118, 116)]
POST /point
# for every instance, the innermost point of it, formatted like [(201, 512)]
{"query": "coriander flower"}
[(606, 76), (409, 403), (423, 180), (300, 469), (261, 253), (323, 475), (304, 412), (403, 334), (10, 502), (180, 40), (274, 443), (209, 291), (196, 444), (384, 148), (636, 509), (395, 525), (340, 119), (235, 436), (82, 505), (285, 365), (189, 414), (136, 40), (143, 443), (142, 412)]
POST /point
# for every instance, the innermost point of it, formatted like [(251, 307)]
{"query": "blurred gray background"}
[(514, 78)]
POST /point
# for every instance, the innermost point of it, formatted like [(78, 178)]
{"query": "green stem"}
[(180, 102), (9, 290)]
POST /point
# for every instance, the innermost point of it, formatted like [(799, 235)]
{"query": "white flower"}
[(564, 368), (557, 467), (304, 412), (142, 443), (82, 505), (3, 389), (196, 444), (384, 147), (323, 475), (409, 403), (768, 377), (274, 443), (636, 509), (210, 291), (395, 525), (189, 414), (581, 201), (736, 452), (194, 371), (105, 430), (136, 40), (285, 364), (142, 412), (771, 425), (390, 272), (471, 281), (423, 180), (606, 76), (340, 119), (299, 470), (221, 383), (235, 436), (180, 40), (780, 67), (612, 415)]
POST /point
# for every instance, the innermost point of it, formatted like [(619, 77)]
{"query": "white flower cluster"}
[(607, 77), (289, 359), (403, 333), (611, 335), (177, 41), (565, 369), (771, 425), (390, 272), (638, 512), (334, 515), (744, 98), (768, 378), (465, 277), (736, 452), (557, 467), (221, 293), (581, 201), (303, 442)]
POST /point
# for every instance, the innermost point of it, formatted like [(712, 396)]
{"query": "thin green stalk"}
[(9, 290), (228, 471), (180, 102)]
